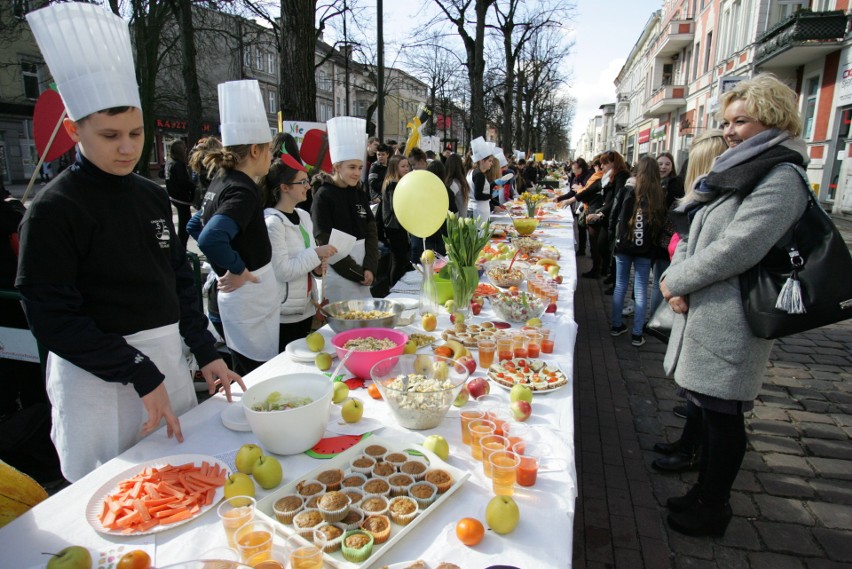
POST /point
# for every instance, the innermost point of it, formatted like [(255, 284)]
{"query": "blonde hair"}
[(768, 100), (228, 157), (200, 150), (494, 172), (704, 150)]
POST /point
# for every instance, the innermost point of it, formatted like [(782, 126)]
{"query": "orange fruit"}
[(513, 289), (374, 392), (136, 559), (444, 351), (470, 531)]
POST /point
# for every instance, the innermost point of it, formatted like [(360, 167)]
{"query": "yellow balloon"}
[(420, 203)]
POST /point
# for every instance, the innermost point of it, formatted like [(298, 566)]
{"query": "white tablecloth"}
[(542, 539)]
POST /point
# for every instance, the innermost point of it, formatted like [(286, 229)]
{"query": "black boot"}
[(681, 503), (667, 448), (702, 519), (677, 462)]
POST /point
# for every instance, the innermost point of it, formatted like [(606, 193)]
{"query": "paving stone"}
[(837, 360), (772, 390), (787, 464), (825, 564), (837, 397), (825, 375), (832, 468), (822, 431), (807, 417), (693, 563), (770, 413), (794, 349), (835, 491), (787, 538), (837, 516), (698, 548), (775, 561), (746, 482), (743, 505), (775, 363), (816, 406), (801, 392), (628, 557), (741, 534), (818, 384), (776, 509), (842, 420), (753, 462), (768, 443), (793, 373), (778, 401), (781, 428), (782, 381), (730, 558), (826, 367), (802, 358), (624, 532), (828, 449), (837, 544), (655, 553), (829, 351), (796, 341), (785, 485)]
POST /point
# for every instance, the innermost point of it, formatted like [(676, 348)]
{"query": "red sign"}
[(443, 122), (644, 136), (177, 124)]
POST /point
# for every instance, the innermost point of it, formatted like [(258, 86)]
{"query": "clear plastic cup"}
[(234, 513), (491, 444), (487, 350), (466, 417), (306, 552), (504, 472), (478, 428), (254, 539), (531, 455)]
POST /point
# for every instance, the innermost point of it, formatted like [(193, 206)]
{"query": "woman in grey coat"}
[(728, 222)]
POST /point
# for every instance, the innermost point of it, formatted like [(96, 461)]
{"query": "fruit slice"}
[(332, 446)]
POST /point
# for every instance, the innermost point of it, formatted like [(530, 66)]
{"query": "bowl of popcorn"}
[(368, 346), (419, 388), (365, 313)]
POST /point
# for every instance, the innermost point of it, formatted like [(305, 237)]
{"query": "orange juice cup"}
[(504, 472), (517, 432), (254, 539), (519, 345), (491, 444), (499, 415), (487, 349), (534, 340), (530, 455), (478, 428), (504, 348), (467, 417), (486, 402), (306, 552), (234, 513), (546, 341), (275, 558)]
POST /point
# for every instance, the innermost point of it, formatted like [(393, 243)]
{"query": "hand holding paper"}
[(341, 241)]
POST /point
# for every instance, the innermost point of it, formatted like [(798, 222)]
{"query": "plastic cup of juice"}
[(519, 345), (487, 349), (306, 550), (275, 558), (534, 340), (254, 539), (467, 417), (234, 513), (491, 444), (530, 455), (517, 432), (504, 348), (504, 472), (498, 414), (478, 428)]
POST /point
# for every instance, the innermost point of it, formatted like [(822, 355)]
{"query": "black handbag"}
[(661, 322), (804, 282)]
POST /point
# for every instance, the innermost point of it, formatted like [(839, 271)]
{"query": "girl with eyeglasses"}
[(296, 258)]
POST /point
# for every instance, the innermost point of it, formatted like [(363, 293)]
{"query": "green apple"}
[(440, 371), (341, 392), (323, 361), (462, 398), (73, 557), (534, 322), (428, 256), (520, 392), (502, 514), (450, 306), (267, 471), (239, 484), (315, 341), (422, 364), (352, 410), (438, 445), (246, 457), (410, 347)]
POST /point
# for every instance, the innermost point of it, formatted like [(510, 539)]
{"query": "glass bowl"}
[(419, 388), (520, 307), (525, 225)]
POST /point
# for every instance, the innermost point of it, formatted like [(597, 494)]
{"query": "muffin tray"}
[(341, 461)]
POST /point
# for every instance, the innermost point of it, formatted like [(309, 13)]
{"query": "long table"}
[(542, 539)]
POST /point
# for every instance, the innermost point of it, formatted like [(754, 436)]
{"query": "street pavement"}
[(792, 500)]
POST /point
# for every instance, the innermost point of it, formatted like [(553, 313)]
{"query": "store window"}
[(29, 73), (810, 106)]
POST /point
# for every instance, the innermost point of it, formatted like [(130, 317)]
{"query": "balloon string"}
[(44, 154)]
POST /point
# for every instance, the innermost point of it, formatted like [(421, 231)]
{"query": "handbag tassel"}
[(790, 297)]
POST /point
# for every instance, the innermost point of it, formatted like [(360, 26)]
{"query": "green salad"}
[(277, 402)]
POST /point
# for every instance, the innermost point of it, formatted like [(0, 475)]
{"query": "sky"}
[(603, 31)]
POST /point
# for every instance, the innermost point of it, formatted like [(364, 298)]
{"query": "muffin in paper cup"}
[(362, 464), (287, 507), (332, 544), (331, 478), (399, 484), (308, 488), (333, 506), (440, 478), (357, 545), (313, 501), (396, 458), (424, 493), (414, 468), (383, 470), (374, 505), (353, 519), (378, 452), (305, 520), (377, 526), (378, 486), (353, 480), (355, 495), (402, 510)]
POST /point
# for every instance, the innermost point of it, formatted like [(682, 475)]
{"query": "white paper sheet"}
[(343, 242)]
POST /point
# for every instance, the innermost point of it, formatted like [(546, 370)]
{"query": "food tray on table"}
[(342, 462), (538, 375)]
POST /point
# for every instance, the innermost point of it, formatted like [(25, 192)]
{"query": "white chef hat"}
[(347, 139), (88, 52), (501, 158), (481, 149), (520, 155), (242, 114)]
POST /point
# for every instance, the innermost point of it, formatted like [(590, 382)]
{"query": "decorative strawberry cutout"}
[(355, 383)]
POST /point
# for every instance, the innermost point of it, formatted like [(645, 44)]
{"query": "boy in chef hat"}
[(480, 195), (105, 281), (343, 204)]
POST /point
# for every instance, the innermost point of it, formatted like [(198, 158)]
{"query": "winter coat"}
[(292, 262)]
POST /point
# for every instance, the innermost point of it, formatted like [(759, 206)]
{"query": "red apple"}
[(558, 279), (521, 410), (475, 308), (551, 308), (468, 362), (478, 386)]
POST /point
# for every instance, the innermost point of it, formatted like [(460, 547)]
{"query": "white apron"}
[(483, 210), (337, 288), (250, 316), (96, 420)]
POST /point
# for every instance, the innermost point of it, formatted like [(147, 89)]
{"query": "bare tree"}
[(182, 9), (438, 66)]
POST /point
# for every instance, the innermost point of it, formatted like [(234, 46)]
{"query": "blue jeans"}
[(660, 266), (642, 266)]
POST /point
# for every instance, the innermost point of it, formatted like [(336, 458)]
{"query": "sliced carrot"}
[(178, 517)]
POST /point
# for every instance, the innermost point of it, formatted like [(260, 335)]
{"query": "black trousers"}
[(400, 253), (183, 218), (293, 331), (723, 449)]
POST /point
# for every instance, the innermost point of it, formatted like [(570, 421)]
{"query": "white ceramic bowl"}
[(291, 431)]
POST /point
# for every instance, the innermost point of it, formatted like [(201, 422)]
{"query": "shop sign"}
[(644, 136), (178, 124), (844, 85), (659, 132)]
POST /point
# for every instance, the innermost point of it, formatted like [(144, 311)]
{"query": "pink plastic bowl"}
[(360, 363)]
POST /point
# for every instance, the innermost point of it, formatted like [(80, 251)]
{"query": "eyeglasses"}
[(304, 183)]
